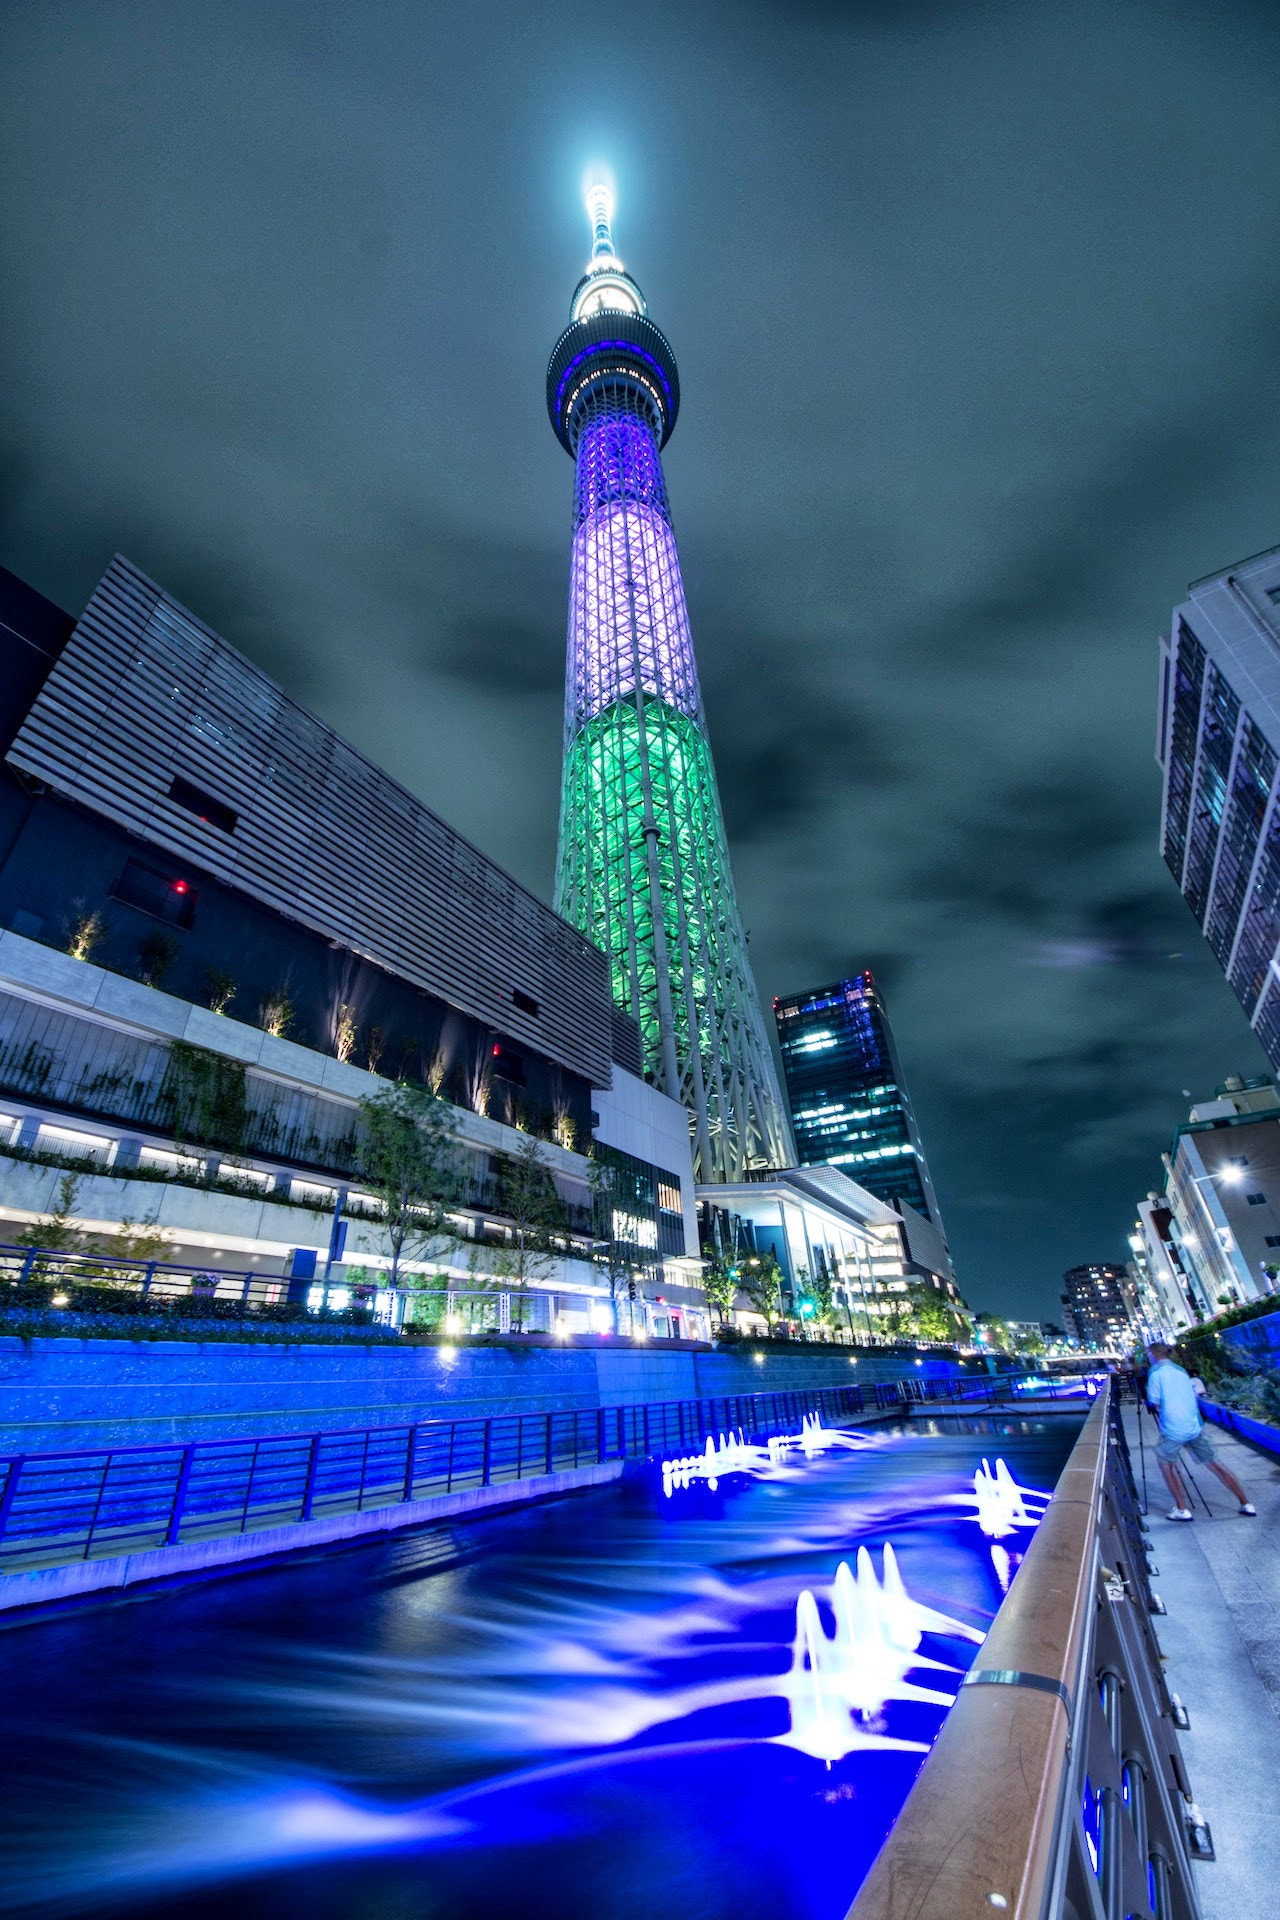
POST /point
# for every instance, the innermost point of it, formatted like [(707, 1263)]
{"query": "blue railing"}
[(57, 1508)]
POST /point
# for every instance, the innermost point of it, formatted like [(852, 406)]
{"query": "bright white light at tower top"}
[(600, 207)]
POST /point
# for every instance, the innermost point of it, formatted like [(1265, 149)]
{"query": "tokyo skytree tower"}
[(643, 866)]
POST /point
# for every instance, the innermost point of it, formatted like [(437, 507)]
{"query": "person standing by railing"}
[(1172, 1397)]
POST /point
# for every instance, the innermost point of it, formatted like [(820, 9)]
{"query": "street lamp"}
[(1230, 1177)]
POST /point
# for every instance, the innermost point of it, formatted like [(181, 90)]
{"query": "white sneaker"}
[(1249, 1511), (1181, 1513)]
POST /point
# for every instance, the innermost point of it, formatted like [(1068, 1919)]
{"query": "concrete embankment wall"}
[(1256, 1342), (58, 1393)]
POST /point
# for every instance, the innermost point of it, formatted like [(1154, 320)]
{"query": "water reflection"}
[(717, 1700)]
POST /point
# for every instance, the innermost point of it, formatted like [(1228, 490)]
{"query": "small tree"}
[(816, 1300), (721, 1281), (612, 1254), (762, 1284), (408, 1158), (54, 1233), (527, 1196)]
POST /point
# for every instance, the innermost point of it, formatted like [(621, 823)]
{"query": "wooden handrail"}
[(981, 1819)]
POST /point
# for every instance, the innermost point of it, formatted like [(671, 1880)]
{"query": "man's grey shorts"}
[(1201, 1449)]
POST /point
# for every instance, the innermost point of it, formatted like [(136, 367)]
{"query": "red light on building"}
[(180, 886)]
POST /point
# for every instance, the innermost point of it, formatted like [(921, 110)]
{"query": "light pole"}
[(1230, 1177)]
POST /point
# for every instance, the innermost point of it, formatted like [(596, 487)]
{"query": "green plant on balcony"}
[(220, 990), (345, 1033), (276, 1013), (88, 931)]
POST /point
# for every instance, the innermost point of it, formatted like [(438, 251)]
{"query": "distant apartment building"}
[(1218, 744), (1222, 1191), (1097, 1307), (850, 1108)]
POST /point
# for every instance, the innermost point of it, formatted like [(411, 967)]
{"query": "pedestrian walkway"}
[(1220, 1580)]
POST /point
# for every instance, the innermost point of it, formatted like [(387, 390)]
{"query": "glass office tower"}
[(643, 865), (849, 1102)]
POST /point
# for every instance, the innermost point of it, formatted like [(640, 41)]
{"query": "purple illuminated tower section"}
[(643, 867)]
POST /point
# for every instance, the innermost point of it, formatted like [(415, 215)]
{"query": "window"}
[(525, 1001), (1273, 594), (1256, 1199), (507, 1065), (215, 813), (164, 896), (1238, 1160), (1273, 1239)]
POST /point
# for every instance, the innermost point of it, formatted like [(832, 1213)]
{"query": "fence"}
[(57, 1508), (104, 1283), (1080, 1807)]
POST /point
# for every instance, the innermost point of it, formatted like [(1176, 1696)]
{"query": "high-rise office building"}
[(1098, 1307), (849, 1102), (1219, 747), (643, 865)]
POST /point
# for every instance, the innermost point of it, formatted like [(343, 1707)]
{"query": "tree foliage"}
[(762, 1283), (527, 1196), (721, 1280), (408, 1154), (613, 1254)]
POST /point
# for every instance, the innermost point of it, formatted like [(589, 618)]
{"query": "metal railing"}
[(107, 1283), (1079, 1808), (57, 1508)]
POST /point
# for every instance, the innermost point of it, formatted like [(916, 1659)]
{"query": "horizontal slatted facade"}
[(144, 691)]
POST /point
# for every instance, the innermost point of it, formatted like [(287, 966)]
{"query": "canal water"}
[(617, 1704)]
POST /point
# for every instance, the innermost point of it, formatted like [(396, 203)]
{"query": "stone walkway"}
[(1220, 1580)]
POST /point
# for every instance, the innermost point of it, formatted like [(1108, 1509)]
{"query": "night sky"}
[(975, 308)]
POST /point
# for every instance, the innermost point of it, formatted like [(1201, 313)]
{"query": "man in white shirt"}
[(1172, 1395)]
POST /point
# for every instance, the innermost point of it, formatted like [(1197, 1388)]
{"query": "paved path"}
[(1220, 1579)]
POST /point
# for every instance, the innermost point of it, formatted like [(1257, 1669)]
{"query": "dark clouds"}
[(974, 307)]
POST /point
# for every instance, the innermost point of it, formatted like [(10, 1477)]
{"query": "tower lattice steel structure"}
[(643, 866)]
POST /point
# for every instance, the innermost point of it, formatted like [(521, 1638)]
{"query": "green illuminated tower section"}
[(643, 866)]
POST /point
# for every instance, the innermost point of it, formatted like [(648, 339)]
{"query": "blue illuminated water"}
[(576, 1709)]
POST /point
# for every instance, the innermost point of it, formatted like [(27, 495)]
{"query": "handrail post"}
[(550, 1417), (27, 1264), (411, 1448), (486, 1465), (309, 1486), (10, 1489), (180, 1496)]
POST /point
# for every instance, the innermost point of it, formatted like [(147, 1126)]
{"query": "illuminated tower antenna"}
[(643, 866)]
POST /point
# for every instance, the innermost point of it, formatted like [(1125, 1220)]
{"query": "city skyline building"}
[(847, 1094), (642, 864), (1098, 1308), (1218, 745)]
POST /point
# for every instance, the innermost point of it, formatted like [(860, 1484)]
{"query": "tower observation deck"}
[(643, 865)]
